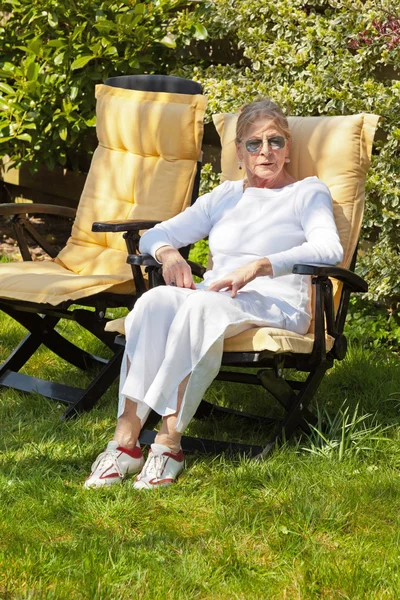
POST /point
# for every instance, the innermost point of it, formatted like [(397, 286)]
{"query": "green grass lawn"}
[(319, 519)]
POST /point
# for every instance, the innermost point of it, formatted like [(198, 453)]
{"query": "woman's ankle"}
[(127, 431), (173, 442), (128, 443)]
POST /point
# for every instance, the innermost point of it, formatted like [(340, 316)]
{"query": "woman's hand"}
[(238, 279), (175, 269)]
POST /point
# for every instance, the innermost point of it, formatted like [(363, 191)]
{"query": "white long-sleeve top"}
[(290, 225)]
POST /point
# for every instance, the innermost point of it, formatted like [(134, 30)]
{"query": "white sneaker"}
[(161, 469), (114, 464)]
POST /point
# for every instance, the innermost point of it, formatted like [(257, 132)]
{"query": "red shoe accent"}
[(178, 456), (136, 452), (156, 482), (110, 476)]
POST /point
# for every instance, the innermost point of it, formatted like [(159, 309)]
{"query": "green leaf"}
[(33, 88), (201, 32), (140, 9), (79, 29), (24, 137), (6, 89), (82, 61), (104, 26), (56, 43), (63, 133), (8, 67), (59, 58), (91, 122), (111, 51), (32, 71), (169, 41), (134, 63), (73, 92), (35, 46), (52, 19), (96, 47)]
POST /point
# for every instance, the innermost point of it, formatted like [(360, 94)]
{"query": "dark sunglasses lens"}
[(277, 142), (253, 145)]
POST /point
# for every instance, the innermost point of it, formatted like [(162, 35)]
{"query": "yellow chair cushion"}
[(255, 339), (143, 168), (48, 282), (335, 149), (274, 340)]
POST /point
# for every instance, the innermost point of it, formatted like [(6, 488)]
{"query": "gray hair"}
[(261, 109)]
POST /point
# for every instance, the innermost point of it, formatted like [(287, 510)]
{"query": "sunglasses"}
[(276, 142)]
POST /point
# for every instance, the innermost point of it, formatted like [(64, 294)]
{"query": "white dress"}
[(172, 332)]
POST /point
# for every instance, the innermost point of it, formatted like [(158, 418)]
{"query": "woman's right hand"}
[(175, 269)]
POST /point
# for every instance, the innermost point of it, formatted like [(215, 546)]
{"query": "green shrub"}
[(53, 53), (373, 325), (324, 57)]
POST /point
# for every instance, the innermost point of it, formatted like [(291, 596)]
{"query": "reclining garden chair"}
[(146, 166), (337, 150)]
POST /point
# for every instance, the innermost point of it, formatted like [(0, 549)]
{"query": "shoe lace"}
[(106, 459), (154, 465)]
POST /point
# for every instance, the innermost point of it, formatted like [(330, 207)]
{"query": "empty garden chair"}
[(145, 167)]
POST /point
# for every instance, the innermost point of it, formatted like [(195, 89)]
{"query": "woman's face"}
[(264, 166)]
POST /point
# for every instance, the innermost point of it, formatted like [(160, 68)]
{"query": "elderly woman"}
[(258, 229)]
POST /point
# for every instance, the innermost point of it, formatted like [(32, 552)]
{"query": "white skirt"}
[(172, 332)]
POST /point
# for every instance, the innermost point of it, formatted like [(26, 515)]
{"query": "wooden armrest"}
[(19, 217), (118, 226), (351, 280), (144, 260), (197, 269), (147, 260), (10, 209)]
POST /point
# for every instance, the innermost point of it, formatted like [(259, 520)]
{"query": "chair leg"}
[(207, 409), (202, 445), (192, 445), (284, 394), (42, 332), (21, 354), (295, 412), (97, 387), (42, 328)]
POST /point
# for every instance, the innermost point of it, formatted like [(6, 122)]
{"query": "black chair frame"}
[(41, 319), (294, 396)]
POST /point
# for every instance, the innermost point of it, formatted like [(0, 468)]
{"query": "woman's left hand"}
[(239, 278)]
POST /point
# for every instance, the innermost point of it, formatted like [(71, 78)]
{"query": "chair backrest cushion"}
[(335, 149), (143, 168)]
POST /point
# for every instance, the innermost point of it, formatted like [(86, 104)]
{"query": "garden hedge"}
[(325, 57), (52, 55)]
